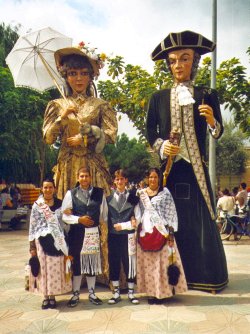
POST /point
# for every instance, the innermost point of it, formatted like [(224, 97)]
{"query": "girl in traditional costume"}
[(48, 248), (159, 268)]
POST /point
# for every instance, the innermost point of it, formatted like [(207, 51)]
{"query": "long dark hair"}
[(159, 173)]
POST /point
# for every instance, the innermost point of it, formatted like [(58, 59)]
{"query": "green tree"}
[(131, 87), (129, 154), (23, 155), (22, 150), (8, 37), (230, 153)]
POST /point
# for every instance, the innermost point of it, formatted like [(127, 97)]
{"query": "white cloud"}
[(133, 28)]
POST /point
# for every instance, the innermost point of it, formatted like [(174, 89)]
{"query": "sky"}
[(133, 28)]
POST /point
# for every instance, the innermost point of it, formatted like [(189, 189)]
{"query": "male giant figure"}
[(191, 110)]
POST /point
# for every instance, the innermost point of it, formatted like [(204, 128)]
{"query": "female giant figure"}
[(85, 124)]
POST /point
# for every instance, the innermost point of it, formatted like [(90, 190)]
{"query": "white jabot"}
[(184, 96)]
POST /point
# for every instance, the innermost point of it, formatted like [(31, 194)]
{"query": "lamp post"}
[(212, 144)]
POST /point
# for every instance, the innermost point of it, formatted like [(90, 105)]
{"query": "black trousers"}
[(118, 253)]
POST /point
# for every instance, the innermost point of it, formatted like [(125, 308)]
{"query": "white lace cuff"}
[(126, 225), (157, 145), (162, 155), (215, 132)]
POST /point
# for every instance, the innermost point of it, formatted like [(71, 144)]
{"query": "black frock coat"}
[(197, 238)]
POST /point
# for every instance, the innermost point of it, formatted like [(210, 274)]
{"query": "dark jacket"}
[(116, 216)]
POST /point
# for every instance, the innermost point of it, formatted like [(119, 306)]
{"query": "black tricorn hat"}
[(182, 40)]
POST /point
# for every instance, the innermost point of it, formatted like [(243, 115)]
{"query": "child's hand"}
[(133, 222), (118, 227), (33, 252), (68, 212)]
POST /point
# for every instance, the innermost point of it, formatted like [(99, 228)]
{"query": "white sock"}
[(116, 293), (77, 283), (115, 283), (91, 285), (131, 286)]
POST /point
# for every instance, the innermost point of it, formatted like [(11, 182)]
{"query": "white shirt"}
[(72, 219), (243, 194), (127, 225), (226, 203)]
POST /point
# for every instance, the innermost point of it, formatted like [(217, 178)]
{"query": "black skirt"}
[(198, 239)]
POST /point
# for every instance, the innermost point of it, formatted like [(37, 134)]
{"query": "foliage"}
[(131, 155), (231, 157), (129, 91), (25, 157), (8, 37), (234, 91), (131, 87), (22, 150)]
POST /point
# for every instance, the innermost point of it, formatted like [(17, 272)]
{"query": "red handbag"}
[(151, 242)]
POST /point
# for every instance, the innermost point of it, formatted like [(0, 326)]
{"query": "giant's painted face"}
[(78, 79), (181, 62)]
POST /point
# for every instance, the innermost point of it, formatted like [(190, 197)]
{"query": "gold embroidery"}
[(184, 119)]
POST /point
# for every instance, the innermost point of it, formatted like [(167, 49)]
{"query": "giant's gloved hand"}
[(88, 130), (206, 111)]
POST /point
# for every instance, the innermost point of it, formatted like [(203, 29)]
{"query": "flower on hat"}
[(81, 45), (91, 52), (103, 56)]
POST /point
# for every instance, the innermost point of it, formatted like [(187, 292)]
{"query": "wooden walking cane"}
[(174, 139)]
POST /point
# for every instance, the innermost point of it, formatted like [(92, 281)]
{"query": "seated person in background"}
[(226, 203), (16, 197), (6, 199), (238, 211), (234, 191), (219, 193), (242, 196), (21, 213)]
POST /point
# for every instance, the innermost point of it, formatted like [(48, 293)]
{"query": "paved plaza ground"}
[(190, 313)]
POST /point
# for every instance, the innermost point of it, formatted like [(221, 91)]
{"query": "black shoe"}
[(74, 300), (154, 300), (160, 301), (151, 301), (96, 300), (52, 303), (45, 304)]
